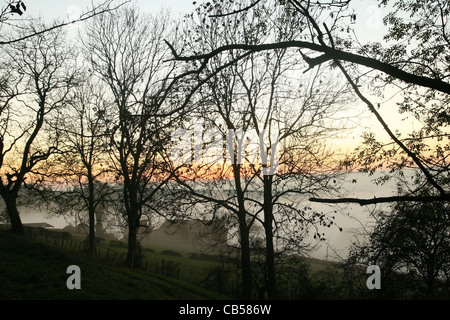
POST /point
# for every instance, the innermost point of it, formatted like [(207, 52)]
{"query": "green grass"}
[(35, 270), (191, 267)]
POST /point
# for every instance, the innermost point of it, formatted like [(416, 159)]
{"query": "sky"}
[(368, 14), (368, 20), (368, 25), (51, 9)]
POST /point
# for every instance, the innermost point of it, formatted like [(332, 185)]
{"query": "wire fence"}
[(115, 252), (112, 251)]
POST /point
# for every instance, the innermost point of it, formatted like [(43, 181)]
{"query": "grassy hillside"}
[(34, 270)]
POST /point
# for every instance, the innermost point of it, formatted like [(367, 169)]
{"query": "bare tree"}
[(222, 110), (262, 94), (126, 50), (37, 80), (81, 171)]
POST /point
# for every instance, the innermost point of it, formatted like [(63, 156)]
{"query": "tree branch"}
[(364, 202), (235, 11), (329, 54), (83, 17), (386, 128)]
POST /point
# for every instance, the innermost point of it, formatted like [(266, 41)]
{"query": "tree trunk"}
[(13, 213), (268, 228), (91, 232), (430, 282), (132, 242), (244, 236), (245, 258), (91, 215)]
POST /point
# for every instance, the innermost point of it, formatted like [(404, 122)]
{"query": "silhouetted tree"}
[(127, 52), (411, 242), (262, 96), (83, 168), (38, 76)]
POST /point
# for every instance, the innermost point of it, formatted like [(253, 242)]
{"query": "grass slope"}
[(31, 270)]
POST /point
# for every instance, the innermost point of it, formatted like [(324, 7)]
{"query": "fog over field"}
[(350, 217)]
